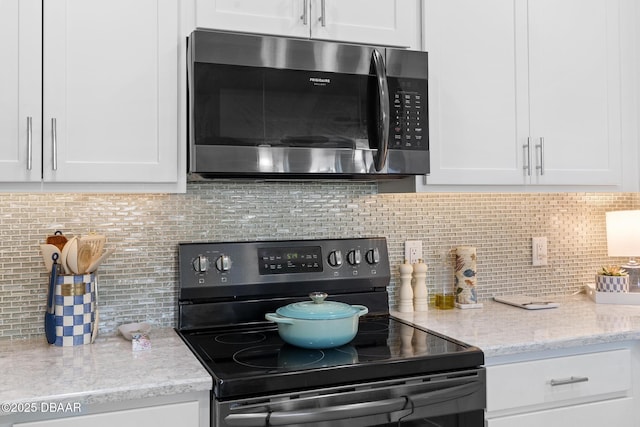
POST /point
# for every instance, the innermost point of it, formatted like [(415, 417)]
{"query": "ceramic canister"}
[(612, 283), (75, 305)]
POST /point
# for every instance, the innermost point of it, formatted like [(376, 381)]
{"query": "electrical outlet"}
[(413, 250), (539, 251)]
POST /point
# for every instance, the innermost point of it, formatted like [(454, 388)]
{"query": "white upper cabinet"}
[(20, 89), (574, 91), (285, 17), (524, 92), (97, 81), (110, 84), (473, 121), (383, 22)]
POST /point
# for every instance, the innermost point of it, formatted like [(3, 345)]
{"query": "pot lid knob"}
[(318, 297)]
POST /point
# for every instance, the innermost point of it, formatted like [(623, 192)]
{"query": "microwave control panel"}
[(409, 115)]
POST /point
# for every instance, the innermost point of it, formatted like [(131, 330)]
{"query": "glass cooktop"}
[(254, 360)]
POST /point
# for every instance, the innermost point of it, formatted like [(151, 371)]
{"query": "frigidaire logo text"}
[(319, 81)]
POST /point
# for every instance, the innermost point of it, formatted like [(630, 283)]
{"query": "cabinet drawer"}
[(617, 412), (558, 381), (174, 414)]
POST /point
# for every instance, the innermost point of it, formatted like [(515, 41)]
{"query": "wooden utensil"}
[(65, 255), (95, 242), (47, 252), (58, 239), (96, 263), (85, 257)]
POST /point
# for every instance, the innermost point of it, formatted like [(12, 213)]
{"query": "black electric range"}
[(254, 359), (227, 287)]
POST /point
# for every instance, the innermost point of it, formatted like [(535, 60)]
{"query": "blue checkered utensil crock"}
[(75, 306)]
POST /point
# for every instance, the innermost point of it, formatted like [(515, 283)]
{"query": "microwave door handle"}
[(383, 119)]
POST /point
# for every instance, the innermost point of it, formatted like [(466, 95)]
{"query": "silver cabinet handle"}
[(305, 10), (540, 166), (54, 145), (323, 14), (527, 154), (29, 143), (570, 380)]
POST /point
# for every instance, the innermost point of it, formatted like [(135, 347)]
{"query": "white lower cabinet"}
[(188, 409), (592, 389), (185, 414), (608, 413)]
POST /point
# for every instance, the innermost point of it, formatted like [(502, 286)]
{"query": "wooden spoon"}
[(96, 263), (70, 256), (47, 254), (85, 256)]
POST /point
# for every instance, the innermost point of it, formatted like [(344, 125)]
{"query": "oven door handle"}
[(331, 413), (446, 394), (354, 410)]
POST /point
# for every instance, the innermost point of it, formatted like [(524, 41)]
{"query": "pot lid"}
[(318, 309)]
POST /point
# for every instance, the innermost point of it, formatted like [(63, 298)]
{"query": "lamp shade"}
[(623, 233)]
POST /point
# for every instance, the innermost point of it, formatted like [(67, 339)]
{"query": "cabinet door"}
[(618, 412), (383, 22), (280, 17), (476, 50), (20, 90), (110, 83), (574, 72)]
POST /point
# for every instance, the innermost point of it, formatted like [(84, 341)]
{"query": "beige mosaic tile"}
[(139, 281)]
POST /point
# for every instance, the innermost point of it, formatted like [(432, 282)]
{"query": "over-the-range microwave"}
[(283, 108)]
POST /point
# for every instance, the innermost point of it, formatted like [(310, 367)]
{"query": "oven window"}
[(235, 105)]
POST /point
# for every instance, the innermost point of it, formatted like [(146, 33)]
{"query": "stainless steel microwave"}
[(282, 108)]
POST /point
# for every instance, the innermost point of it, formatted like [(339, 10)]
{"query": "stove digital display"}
[(307, 259)]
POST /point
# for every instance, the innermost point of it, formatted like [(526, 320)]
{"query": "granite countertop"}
[(503, 330), (106, 371), (109, 371)]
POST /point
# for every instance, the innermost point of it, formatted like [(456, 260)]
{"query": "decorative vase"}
[(612, 283), (465, 275)]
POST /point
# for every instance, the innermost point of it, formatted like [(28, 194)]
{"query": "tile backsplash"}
[(139, 282)]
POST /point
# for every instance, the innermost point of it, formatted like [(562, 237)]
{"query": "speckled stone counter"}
[(503, 330), (33, 371)]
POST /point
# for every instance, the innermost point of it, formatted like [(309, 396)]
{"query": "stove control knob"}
[(373, 256), (354, 257), (201, 264), (335, 258), (223, 263)]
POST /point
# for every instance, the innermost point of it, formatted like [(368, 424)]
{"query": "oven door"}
[(445, 400)]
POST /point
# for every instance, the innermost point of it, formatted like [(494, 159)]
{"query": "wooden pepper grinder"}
[(406, 292), (420, 301)]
